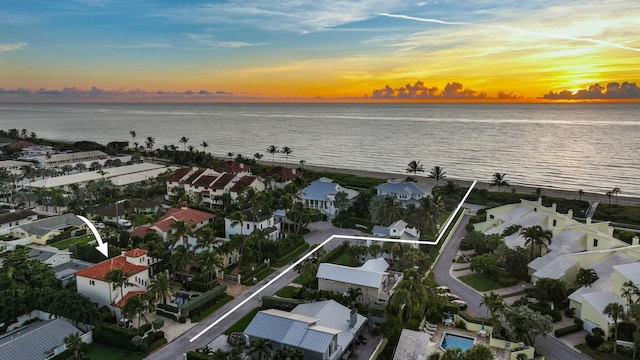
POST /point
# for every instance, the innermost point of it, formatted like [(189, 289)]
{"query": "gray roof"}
[(45, 226), (291, 329), (36, 340), (42, 255), (333, 315), (369, 274), (413, 345), (629, 271), (604, 268), (68, 269), (11, 216), (321, 188)]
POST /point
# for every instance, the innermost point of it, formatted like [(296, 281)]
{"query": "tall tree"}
[(628, 292), (118, 279), (272, 149), (415, 167), (150, 142), (184, 140), (258, 156), (586, 277), (261, 348), (133, 138), (615, 192), (580, 193), (161, 287), (181, 230), (499, 181), (527, 323), (536, 236), (615, 311), (286, 151), (437, 173), (204, 145)]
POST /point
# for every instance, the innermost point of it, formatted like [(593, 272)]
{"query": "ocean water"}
[(593, 147)]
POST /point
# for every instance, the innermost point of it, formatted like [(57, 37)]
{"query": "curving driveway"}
[(549, 346)]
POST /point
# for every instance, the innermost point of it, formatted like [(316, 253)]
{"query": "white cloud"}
[(12, 47)]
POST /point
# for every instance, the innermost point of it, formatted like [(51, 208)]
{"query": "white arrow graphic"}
[(103, 247)]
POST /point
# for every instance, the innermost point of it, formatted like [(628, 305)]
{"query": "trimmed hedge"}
[(156, 344), (113, 335), (567, 330), (198, 286), (332, 255), (197, 305), (507, 281), (194, 355), (247, 277), (274, 302), (473, 319)]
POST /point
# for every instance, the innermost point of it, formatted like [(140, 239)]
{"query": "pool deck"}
[(434, 343)]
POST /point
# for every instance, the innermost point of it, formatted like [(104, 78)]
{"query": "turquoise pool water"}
[(453, 340)]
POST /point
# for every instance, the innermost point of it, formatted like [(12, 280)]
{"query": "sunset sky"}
[(334, 49)]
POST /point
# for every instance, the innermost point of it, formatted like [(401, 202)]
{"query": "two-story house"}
[(252, 220), (405, 192), (321, 194)]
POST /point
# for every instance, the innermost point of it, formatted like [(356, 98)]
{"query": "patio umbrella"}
[(482, 326)]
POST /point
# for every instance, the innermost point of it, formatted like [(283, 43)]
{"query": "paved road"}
[(549, 346), (181, 345)]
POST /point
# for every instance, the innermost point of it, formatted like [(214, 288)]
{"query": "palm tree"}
[(238, 217), (414, 167), (181, 230), (615, 311), (615, 192), (133, 137), (258, 156), (118, 278), (580, 193), (437, 173), (536, 236), (184, 140), (73, 342), (494, 302), (609, 194), (499, 181), (272, 149), (162, 287), (210, 262), (354, 294), (286, 151), (261, 347), (204, 145), (150, 142), (628, 291), (586, 277)]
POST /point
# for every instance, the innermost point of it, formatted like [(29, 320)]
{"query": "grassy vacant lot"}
[(242, 323), (600, 355), (211, 309), (99, 351), (479, 282), (344, 259), (64, 244), (286, 292)]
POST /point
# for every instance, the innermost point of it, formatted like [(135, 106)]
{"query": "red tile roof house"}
[(279, 177), (136, 263), (234, 167), (162, 227), (244, 183)]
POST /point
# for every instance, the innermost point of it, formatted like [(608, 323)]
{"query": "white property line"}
[(321, 245)]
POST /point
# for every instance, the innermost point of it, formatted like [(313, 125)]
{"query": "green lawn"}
[(64, 244), (286, 292), (344, 259), (99, 351), (242, 323), (600, 355), (479, 282)]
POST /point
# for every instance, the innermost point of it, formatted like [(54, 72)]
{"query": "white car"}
[(444, 289), (99, 225), (124, 223), (461, 304)]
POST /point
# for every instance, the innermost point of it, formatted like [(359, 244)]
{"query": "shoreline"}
[(565, 194)]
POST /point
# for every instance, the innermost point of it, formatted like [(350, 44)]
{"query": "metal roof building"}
[(40, 340)]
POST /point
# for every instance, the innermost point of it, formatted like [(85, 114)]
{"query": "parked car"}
[(452, 297), (124, 223), (99, 225), (461, 304), (444, 289)]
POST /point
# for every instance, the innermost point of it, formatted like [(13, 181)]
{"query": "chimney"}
[(183, 206), (570, 213), (553, 206), (610, 228), (293, 171), (353, 317), (635, 240), (588, 220)]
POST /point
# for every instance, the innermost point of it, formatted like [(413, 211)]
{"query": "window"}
[(555, 222), (92, 283), (595, 242), (491, 217)]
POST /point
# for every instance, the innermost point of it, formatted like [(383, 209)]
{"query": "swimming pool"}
[(459, 341)]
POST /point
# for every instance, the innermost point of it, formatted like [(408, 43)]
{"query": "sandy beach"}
[(622, 200)]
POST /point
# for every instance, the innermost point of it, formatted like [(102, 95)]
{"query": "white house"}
[(398, 230), (252, 220), (405, 192), (134, 263), (13, 218), (321, 194), (376, 283)]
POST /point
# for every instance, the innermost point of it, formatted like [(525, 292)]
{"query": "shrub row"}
[(197, 305), (198, 286), (248, 276), (332, 255), (194, 355), (115, 336), (274, 302), (473, 319), (567, 330), (167, 314), (291, 255)]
